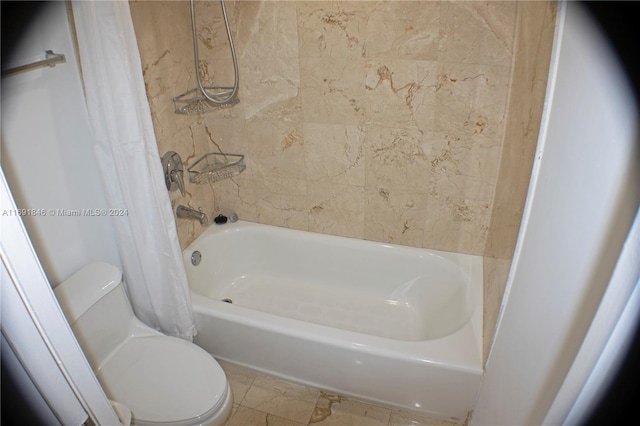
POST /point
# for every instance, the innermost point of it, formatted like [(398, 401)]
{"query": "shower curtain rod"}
[(51, 61)]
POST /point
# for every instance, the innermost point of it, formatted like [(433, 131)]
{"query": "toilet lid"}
[(164, 379)]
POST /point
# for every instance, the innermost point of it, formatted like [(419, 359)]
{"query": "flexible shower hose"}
[(223, 97)]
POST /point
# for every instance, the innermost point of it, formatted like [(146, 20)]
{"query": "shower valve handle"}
[(173, 172)]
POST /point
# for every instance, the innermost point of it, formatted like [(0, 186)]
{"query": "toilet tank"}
[(96, 306)]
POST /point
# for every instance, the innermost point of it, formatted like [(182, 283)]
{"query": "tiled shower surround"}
[(408, 122)]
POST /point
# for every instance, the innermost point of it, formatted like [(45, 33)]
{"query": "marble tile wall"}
[(376, 120), (392, 121)]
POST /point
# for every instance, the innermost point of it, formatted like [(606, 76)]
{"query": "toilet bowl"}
[(163, 380)]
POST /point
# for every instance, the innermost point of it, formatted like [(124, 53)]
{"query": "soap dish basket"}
[(216, 166)]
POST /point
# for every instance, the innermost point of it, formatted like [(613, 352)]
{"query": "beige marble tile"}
[(159, 49), (244, 416), (274, 149), (338, 411), (336, 209), (332, 29), (504, 228), (266, 29), (271, 89), (240, 379), (400, 93), (495, 274), (399, 418), (395, 216), (237, 195), (283, 202), (270, 200), (282, 399), (531, 62), (530, 69), (397, 157), (334, 153), (332, 90), (471, 100), (223, 131), (213, 41), (214, 72), (477, 32), (234, 408), (458, 225), (403, 30), (463, 168)]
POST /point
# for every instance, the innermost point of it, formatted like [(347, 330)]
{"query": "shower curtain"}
[(129, 162)]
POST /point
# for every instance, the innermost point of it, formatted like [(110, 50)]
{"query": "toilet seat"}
[(165, 380)]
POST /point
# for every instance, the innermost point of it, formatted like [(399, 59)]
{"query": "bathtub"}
[(392, 325)]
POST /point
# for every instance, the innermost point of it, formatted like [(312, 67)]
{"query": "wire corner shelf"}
[(215, 166)]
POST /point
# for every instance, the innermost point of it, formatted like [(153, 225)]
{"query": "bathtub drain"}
[(227, 300)]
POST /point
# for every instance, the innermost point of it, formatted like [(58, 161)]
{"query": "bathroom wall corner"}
[(532, 55)]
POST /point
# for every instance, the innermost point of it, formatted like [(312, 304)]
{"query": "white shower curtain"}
[(129, 161)]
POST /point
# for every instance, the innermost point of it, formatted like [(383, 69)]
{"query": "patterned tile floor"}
[(264, 400)]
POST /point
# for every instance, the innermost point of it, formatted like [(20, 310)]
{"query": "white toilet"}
[(162, 380)]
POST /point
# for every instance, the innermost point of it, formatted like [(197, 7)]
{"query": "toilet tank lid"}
[(81, 290)]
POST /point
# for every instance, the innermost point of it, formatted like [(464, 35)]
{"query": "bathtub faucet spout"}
[(183, 212)]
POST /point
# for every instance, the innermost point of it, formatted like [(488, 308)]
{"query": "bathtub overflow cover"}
[(196, 257)]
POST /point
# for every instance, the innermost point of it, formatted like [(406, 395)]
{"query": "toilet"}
[(163, 380)]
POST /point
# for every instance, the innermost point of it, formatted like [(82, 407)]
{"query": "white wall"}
[(605, 346), (47, 154), (48, 356), (583, 197)]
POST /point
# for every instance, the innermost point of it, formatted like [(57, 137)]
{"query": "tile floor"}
[(264, 400)]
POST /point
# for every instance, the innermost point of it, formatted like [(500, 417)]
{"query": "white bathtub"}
[(393, 325)]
